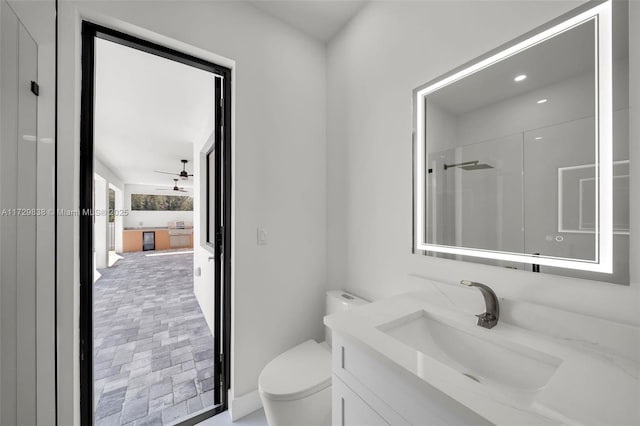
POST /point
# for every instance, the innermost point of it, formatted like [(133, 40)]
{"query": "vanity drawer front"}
[(348, 409), (374, 378)]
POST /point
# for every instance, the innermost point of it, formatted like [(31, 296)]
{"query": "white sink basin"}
[(480, 354)]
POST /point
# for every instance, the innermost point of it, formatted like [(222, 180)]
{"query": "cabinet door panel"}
[(350, 410)]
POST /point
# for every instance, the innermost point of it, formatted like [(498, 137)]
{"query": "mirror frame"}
[(600, 12)]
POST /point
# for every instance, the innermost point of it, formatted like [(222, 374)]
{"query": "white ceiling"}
[(561, 57), (321, 19), (148, 113)]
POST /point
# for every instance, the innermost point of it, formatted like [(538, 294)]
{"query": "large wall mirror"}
[(521, 156)]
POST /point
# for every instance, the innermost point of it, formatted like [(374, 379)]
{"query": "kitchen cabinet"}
[(132, 240)]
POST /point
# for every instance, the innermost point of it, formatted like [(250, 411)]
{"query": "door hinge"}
[(220, 368), (219, 239), (35, 88), (221, 112)]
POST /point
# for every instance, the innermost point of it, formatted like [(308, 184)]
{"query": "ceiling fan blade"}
[(167, 173)]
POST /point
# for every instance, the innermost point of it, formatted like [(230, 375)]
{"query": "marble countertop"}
[(149, 228), (589, 386)]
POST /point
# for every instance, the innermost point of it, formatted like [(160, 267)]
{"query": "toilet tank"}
[(338, 301)]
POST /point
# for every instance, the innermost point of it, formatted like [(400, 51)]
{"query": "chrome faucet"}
[(489, 318)]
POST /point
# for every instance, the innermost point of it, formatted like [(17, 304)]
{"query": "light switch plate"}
[(262, 237)]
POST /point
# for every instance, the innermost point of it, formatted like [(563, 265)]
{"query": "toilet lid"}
[(301, 371)]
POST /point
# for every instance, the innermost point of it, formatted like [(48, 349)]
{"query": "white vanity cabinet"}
[(369, 390), (350, 409), (404, 361)]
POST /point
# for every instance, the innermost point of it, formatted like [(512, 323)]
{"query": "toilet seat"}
[(297, 373)]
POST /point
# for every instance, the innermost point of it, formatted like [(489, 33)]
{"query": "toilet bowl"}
[(295, 387)]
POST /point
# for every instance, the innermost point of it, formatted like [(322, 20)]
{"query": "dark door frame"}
[(222, 349)]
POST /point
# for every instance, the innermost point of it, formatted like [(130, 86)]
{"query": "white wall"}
[(118, 220), (149, 219), (279, 173), (373, 66), (100, 223), (105, 179), (101, 169), (203, 285)]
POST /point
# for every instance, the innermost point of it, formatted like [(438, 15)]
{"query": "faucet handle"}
[(486, 320), (489, 318)]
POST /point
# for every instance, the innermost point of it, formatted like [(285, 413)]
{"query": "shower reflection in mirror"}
[(513, 156)]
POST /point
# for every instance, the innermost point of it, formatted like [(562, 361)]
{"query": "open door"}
[(133, 389)]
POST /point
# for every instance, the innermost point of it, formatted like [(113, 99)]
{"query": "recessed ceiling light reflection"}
[(520, 77), (542, 101), (538, 138)]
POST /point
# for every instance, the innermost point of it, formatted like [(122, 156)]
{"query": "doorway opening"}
[(155, 221)]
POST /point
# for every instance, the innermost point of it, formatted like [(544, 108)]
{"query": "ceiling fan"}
[(183, 173), (175, 187)]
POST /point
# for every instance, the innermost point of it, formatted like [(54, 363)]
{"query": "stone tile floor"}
[(153, 351)]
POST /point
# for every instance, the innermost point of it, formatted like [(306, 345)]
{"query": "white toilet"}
[(295, 387)]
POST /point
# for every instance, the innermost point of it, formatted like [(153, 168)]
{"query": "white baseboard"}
[(244, 405)]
